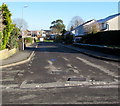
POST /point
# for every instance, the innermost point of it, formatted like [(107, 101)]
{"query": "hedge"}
[(102, 38)]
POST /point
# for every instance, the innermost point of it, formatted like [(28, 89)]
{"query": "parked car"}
[(77, 39)]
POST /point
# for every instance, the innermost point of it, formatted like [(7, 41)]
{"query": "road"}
[(60, 75)]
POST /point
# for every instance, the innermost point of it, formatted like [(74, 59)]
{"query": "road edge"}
[(89, 54), (20, 62)]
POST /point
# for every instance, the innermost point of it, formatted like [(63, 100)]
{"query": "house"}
[(52, 36), (106, 24), (26, 33), (85, 28), (81, 29), (43, 33), (47, 34), (32, 33), (36, 33), (110, 23)]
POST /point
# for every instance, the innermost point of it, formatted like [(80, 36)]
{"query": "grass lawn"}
[(48, 40), (37, 40)]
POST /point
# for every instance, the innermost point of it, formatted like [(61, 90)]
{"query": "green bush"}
[(13, 39), (8, 25), (58, 38), (68, 39), (28, 40)]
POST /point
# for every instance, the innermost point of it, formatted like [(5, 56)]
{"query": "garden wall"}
[(7, 53)]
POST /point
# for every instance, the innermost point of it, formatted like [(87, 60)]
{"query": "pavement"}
[(18, 58), (24, 56), (95, 54)]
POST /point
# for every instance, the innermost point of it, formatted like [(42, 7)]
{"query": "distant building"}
[(47, 34), (25, 33), (52, 36), (43, 33), (32, 33), (36, 33)]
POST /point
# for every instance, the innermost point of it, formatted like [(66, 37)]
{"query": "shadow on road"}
[(50, 47)]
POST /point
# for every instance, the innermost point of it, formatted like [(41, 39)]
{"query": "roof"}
[(47, 30), (108, 18)]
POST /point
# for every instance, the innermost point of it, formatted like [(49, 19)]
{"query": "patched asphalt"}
[(51, 67)]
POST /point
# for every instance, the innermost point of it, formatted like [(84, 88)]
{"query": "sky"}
[(39, 15)]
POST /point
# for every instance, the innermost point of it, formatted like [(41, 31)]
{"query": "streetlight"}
[(25, 6)]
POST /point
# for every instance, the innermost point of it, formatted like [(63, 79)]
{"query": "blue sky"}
[(39, 15)]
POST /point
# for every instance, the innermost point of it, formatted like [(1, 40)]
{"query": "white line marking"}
[(117, 65), (51, 67), (65, 58), (75, 71), (50, 62), (97, 66), (69, 65)]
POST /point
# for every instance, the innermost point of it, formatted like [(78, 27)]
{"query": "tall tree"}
[(57, 26), (8, 26), (1, 27), (8, 32)]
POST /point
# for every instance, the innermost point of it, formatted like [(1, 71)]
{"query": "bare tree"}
[(77, 20), (20, 23)]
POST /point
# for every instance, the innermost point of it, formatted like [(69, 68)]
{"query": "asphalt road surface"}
[(58, 75)]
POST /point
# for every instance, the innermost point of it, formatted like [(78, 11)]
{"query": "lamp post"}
[(25, 6)]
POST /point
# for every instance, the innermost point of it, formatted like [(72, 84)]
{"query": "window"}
[(104, 26)]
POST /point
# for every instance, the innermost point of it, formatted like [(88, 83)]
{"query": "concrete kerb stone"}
[(92, 55), (20, 62)]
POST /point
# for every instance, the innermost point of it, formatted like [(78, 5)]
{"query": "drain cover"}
[(76, 79)]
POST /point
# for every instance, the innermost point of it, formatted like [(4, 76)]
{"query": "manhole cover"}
[(76, 79)]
